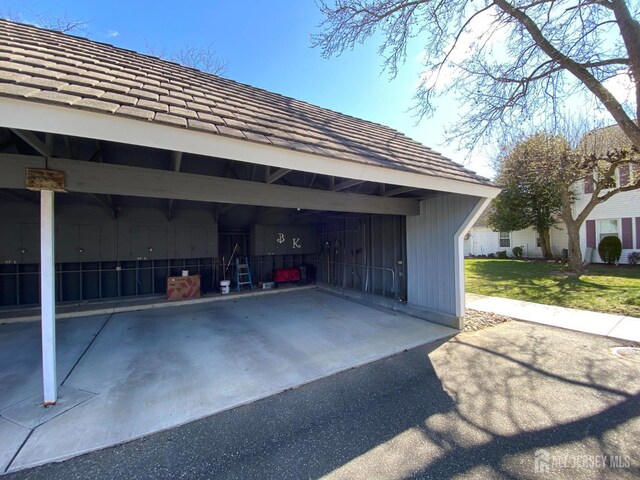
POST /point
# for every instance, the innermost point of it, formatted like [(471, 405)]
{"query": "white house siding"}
[(622, 205), (483, 240)]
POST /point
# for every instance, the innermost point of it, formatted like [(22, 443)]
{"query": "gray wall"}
[(431, 252), (87, 233)]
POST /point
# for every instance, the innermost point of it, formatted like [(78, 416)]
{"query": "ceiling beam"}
[(87, 177), (281, 172), (34, 142), (398, 191), (346, 184)]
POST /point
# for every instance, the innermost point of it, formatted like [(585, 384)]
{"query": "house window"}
[(608, 228), (537, 240), (505, 239)]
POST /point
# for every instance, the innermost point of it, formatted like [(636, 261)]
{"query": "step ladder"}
[(243, 273)]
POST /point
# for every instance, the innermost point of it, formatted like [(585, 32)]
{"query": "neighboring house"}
[(482, 240), (619, 216)]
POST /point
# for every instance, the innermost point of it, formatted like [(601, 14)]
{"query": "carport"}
[(161, 168)]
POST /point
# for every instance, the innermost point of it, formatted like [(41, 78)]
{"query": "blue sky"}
[(267, 45)]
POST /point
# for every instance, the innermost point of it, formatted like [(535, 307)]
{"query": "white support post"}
[(47, 294)]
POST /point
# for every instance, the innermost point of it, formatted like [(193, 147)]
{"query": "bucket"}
[(185, 273), (224, 286)]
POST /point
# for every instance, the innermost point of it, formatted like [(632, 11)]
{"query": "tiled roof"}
[(44, 66)]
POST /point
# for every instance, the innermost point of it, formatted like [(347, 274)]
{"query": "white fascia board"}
[(458, 247), (42, 117)]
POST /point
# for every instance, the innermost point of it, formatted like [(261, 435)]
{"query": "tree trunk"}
[(575, 252), (545, 243)]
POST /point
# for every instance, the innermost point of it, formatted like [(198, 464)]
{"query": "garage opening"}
[(112, 246)]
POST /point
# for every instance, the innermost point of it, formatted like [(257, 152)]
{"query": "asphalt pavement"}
[(513, 401)]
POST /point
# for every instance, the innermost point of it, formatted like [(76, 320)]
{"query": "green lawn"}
[(603, 288)]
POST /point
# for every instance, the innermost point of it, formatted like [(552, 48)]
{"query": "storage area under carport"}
[(130, 374)]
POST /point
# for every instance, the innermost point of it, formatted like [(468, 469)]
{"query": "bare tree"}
[(60, 23), (203, 58), (510, 60)]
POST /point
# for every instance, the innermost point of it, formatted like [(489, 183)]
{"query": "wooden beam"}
[(87, 177), (281, 172), (346, 184), (398, 191), (34, 142)]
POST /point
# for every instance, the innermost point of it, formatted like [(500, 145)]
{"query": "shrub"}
[(610, 249), (517, 252), (501, 254), (634, 258)]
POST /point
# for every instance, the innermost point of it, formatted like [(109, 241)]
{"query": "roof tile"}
[(55, 97), (113, 87), (134, 112), (203, 126), (182, 112), (235, 124), (230, 132), (171, 119), (173, 101), (210, 118), (119, 98), (13, 90), (155, 106), (81, 90), (46, 66), (97, 105), (144, 94), (79, 80)]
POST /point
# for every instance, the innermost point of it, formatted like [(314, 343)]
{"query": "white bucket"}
[(224, 286), (185, 273)]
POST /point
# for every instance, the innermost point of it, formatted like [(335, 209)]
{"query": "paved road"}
[(477, 406)]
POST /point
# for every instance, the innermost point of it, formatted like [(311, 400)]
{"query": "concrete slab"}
[(628, 328), (31, 412), (21, 355), (157, 369), (12, 436), (608, 325)]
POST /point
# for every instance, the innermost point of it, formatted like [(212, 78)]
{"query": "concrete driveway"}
[(128, 375), (484, 404)]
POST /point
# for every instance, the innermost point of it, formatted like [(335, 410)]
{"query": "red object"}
[(182, 288), (286, 275)]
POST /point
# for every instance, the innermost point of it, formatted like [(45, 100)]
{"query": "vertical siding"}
[(431, 250)]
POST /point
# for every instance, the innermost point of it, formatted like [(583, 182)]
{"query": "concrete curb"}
[(156, 302), (603, 324)]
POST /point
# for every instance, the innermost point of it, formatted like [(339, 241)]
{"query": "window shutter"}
[(589, 185), (623, 172), (627, 233), (637, 232), (591, 234)]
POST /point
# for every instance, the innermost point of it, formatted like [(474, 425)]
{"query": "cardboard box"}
[(182, 288)]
